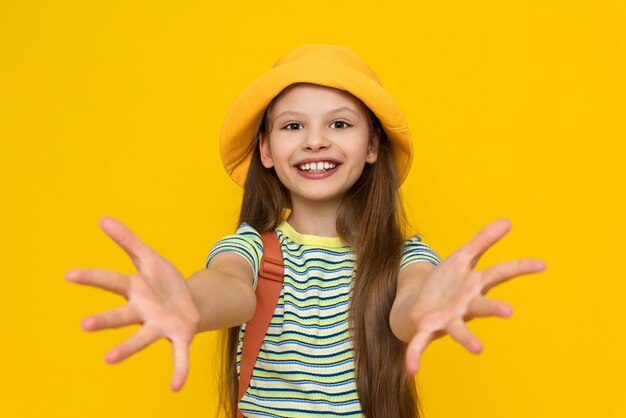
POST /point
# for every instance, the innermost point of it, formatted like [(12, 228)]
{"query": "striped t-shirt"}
[(306, 363)]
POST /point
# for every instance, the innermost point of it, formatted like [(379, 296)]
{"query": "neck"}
[(314, 218)]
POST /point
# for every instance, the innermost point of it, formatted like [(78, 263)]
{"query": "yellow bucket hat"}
[(326, 65)]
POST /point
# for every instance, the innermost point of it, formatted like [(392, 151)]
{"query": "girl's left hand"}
[(454, 293)]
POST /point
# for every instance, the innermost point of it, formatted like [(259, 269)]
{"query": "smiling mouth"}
[(317, 167)]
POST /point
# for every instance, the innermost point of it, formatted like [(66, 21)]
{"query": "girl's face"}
[(318, 144)]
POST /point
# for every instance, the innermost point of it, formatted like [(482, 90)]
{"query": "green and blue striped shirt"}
[(306, 363)]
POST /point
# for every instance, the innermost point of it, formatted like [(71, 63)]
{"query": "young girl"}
[(321, 150)]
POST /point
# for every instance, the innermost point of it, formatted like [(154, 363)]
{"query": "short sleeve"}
[(417, 250), (246, 242)]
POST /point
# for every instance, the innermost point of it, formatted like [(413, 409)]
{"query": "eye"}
[(292, 126), (340, 124)]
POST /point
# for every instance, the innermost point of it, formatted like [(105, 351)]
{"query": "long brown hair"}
[(371, 220)]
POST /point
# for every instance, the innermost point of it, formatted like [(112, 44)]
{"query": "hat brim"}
[(240, 124)]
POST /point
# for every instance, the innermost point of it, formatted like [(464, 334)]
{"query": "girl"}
[(321, 150)]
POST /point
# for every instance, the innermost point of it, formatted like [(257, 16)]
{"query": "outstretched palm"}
[(454, 293), (157, 297)]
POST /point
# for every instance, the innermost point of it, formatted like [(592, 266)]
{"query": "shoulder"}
[(246, 241), (415, 249), (245, 235)]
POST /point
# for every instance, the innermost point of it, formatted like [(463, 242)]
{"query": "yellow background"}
[(114, 108)]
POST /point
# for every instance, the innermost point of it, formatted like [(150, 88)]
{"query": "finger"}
[(461, 334), (105, 279), (115, 318), (415, 349), (125, 238), (481, 307), (507, 270), (136, 342), (181, 364), (486, 237)]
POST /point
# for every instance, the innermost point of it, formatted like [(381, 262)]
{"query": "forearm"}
[(410, 280), (399, 318), (222, 300)]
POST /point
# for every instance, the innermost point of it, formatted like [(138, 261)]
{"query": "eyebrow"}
[(339, 109)]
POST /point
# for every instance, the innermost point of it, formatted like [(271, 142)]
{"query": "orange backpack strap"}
[(268, 290)]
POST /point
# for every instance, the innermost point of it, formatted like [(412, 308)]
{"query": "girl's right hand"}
[(158, 298)]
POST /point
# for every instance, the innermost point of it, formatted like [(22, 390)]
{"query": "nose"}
[(315, 140)]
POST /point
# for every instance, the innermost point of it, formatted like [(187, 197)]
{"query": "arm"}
[(432, 302), (163, 302), (410, 281), (223, 292)]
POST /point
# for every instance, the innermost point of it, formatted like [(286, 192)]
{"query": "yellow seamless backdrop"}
[(114, 108)]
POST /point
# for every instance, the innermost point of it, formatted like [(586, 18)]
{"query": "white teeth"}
[(319, 166)]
